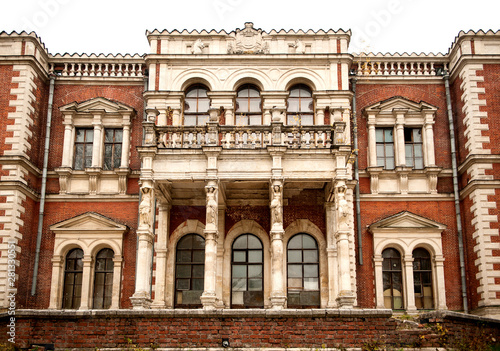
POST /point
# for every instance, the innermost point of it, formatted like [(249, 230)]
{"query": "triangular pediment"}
[(399, 103), (407, 220), (97, 104), (89, 221)]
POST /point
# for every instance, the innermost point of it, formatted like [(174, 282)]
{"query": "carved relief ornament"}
[(248, 41)]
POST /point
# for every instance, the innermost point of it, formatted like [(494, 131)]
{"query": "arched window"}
[(73, 272), (248, 106), (189, 271), (300, 110), (303, 272), (393, 279), (103, 279), (422, 279), (247, 280), (196, 105)]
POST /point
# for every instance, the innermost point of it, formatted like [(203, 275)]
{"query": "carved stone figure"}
[(343, 207), (299, 47), (197, 47), (145, 207), (276, 208), (211, 206)]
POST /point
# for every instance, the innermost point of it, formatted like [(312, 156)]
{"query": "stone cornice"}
[(477, 159)]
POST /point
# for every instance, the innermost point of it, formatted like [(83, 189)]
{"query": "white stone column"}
[(332, 255), (399, 141), (142, 296), (372, 144), (346, 296), (278, 295), (220, 257), (117, 273), (97, 141), (161, 255), (439, 281), (409, 286), (57, 282), (125, 145), (86, 276), (68, 143), (430, 158), (379, 281), (320, 117), (208, 298)]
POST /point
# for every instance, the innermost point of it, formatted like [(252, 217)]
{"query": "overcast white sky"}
[(109, 26)]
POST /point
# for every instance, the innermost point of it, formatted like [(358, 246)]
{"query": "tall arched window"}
[(248, 106), (422, 279), (189, 271), (393, 279), (103, 279), (247, 278), (196, 105), (303, 272), (300, 110), (73, 273)]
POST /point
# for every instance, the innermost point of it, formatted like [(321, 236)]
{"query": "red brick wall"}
[(6, 75), (39, 117), (55, 212), (491, 84), (134, 329)]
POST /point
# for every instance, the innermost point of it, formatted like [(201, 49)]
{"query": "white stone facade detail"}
[(471, 109), (11, 220), (482, 235), (22, 117)]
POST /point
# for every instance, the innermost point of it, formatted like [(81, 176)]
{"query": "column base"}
[(141, 301), (278, 302), (209, 301), (345, 300)]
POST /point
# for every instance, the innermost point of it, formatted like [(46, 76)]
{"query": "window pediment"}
[(406, 220), (399, 104), (88, 222), (97, 104)]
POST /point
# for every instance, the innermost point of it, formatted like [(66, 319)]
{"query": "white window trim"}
[(99, 114), (90, 232), (400, 113), (406, 232)]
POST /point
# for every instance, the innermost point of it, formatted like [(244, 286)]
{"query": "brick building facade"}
[(250, 170)]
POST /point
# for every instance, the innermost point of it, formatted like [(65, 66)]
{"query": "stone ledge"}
[(458, 316), (199, 313)]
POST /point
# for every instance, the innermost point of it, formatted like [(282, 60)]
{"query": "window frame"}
[(115, 160), (392, 273), (196, 113), (420, 298), (303, 263), (298, 115), (192, 264), (385, 146), (71, 303), (247, 264), (414, 145), (85, 143), (248, 114), (107, 293)]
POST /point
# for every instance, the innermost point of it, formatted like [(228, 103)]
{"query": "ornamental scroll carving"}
[(248, 41)]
